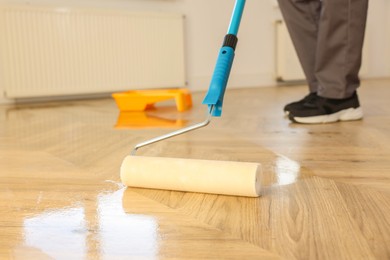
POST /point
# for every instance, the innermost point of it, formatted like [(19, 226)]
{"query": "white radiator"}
[(52, 52)]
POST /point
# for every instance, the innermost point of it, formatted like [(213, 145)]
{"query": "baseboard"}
[(200, 83), (34, 100)]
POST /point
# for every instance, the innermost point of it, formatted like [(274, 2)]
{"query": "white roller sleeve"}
[(218, 177)]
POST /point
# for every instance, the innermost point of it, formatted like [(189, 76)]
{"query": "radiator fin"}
[(51, 52)]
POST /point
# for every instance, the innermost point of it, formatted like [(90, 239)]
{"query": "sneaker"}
[(298, 104), (327, 110)]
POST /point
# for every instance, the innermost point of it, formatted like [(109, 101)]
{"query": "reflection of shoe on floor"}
[(298, 104), (326, 110)]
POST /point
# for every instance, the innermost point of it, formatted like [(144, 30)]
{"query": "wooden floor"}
[(326, 188)]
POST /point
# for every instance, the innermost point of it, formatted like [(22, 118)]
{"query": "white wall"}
[(207, 22), (386, 45), (377, 58)]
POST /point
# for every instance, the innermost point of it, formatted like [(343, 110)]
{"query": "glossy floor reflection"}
[(326, 188), (49, 231), (74, 232), (124, 234)]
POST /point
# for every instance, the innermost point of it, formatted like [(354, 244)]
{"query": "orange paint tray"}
[(141, 100)]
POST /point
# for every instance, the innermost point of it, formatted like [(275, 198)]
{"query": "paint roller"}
[(205, 176)]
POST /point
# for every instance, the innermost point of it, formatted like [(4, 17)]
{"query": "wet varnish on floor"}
[(326, 191)]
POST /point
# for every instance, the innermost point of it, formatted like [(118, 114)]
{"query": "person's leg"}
[(339, 47), (301, 18)]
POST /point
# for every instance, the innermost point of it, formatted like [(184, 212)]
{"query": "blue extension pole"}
[(236, 17), (216, 92)]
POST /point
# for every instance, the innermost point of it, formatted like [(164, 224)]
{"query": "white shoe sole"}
[(349, 114)]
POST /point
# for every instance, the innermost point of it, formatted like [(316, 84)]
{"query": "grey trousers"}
[(328, 37)]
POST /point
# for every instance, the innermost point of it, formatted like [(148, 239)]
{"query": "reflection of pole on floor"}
[(93, 233)]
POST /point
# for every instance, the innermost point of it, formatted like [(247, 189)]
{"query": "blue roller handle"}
[(219, 80), (216, 92)]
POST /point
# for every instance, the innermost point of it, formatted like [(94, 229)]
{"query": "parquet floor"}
[(326, 188)]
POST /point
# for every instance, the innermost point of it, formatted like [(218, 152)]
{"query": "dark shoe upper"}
[(296, 105), (324, 106)]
